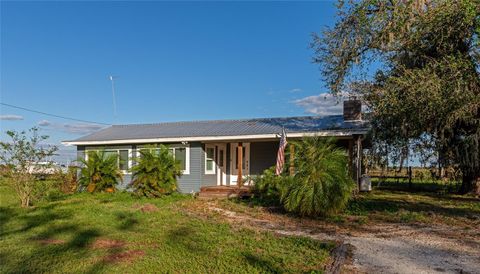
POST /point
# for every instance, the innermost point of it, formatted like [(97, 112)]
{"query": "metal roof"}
[(261, 126)]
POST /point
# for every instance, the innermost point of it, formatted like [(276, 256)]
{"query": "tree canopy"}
[(416, 65)]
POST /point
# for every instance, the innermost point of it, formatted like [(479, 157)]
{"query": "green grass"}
[(60, 236), (391, 205), (423, 207), (417, 185)]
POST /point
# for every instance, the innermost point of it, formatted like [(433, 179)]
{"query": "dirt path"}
[(382, 248)]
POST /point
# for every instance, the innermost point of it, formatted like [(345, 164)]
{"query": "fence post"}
[(410, 177)]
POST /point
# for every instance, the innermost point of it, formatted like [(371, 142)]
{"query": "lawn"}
[(416, 207), (118, 233), (386, 205)]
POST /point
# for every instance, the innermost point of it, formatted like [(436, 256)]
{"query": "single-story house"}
[(212, 152)]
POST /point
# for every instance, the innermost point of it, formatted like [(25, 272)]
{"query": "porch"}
[(227, 164), (232, 163)]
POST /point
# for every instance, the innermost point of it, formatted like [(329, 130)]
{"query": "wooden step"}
[(223, 192), (203, 195), (223, 188)]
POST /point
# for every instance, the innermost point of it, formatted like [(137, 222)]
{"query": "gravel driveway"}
[(407, 249)]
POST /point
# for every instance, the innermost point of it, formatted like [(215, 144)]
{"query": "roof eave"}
[(326, 133)]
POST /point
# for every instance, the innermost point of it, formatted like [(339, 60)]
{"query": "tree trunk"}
[(25, 200), (470, 184)]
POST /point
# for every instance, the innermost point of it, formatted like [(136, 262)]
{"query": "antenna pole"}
[(113, 97)]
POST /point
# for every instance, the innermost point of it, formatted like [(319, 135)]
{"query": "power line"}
[(54, 115)]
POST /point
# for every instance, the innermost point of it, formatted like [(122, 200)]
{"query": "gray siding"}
[(191, 182), (80, 155), (262, 156), (80, 152), (186, 183), (207, 179), (124, 184)]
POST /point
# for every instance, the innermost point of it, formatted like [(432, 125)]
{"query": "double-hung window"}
[(122, 155), (179, 153), (209, 159)]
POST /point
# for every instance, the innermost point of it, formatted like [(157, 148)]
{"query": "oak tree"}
[(415, 63)]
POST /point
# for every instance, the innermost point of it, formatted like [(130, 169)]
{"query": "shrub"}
[(268, 187), (155, 173), (47, 190), (100, 171), (21, 157), (67, 180), (322, 184), (422, 174)]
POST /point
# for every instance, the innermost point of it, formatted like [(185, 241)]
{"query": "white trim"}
[(325, 133), (221, 170), (214, 167), (187, 155), (187, 160), (233, 168)]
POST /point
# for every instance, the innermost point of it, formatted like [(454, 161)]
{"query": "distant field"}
[(422, 179)]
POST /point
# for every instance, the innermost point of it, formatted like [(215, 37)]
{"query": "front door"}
[(221, 164), (234, 164)]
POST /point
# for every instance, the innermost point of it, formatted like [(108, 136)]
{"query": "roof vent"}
[(352, 110)]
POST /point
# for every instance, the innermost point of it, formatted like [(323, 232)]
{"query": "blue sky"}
[(173, 61)]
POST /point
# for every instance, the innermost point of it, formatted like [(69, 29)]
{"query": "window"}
[(180, 153), (209, 159), (220, 156), (123, 157)]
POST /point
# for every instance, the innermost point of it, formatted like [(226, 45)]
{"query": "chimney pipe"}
[(352, 110)]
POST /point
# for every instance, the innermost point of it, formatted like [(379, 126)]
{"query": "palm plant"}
[(155, 173), (268, 187), (322, 184), (100, 171)]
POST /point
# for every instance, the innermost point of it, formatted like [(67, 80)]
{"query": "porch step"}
[(213, 195), (223, 192), (223, 188)]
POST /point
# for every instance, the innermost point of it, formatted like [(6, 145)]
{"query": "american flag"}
[(281, 153)]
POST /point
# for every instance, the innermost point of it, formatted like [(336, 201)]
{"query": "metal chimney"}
[(352, 110)]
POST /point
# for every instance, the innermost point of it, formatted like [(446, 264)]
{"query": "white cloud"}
[(74, 128), (322, 104), (11, 117), (295, 90), (44, 123)]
